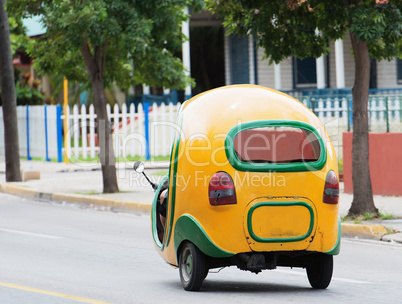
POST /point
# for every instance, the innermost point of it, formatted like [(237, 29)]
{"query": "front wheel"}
[(319, 271), (191, 267)]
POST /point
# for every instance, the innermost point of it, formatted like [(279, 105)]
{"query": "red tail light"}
[(331, 189), (222, 190)]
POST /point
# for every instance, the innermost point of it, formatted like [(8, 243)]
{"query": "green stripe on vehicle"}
[(172, 183), (279, 204), (188, 229), (337, 247)]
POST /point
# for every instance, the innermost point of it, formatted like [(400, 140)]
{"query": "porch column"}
[(146, 90), (339, 64), (320, 70), (277, 72), (226, 46), (251, 69), (185, 28)]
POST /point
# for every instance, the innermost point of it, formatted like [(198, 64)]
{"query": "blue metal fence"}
[(339, 92), (173, 97), (385, 111)]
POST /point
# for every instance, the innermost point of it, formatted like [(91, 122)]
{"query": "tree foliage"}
[(18, 38), (285, 28), (137, 39), (26, 88)]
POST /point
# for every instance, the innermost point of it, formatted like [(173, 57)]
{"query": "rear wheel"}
[(206, 273), (191, 267), (319, 271)]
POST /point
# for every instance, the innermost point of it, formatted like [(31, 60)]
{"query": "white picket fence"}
[(130, 136), (150, 130), (39, 133)]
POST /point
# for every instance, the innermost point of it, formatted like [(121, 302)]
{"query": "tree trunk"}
[(362, 191), (106, 153), (93, 64), (12, 151)]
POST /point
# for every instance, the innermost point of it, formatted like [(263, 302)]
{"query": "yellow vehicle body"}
[(279, 207)]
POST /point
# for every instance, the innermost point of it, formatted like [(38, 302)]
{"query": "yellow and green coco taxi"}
[(253, 182)]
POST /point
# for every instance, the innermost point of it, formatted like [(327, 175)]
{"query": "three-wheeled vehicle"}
[(253, 182)]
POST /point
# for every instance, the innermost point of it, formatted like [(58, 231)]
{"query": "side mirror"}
[(139, 166)]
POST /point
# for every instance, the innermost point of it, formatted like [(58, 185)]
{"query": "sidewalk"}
[(81, 183)]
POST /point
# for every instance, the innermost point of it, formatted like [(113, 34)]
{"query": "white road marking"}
[(375, 243), (295, 272), (351, 281), (47, 236)]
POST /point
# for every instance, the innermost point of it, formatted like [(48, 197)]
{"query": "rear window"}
[(275, 146)]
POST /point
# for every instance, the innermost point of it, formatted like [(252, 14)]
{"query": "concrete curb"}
[(101, 202), (366, 231), (396, 237)]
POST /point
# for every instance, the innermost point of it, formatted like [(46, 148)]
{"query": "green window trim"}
[(153, 216), (279, 204), (273, 167)]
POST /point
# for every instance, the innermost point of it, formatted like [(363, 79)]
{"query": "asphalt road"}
[(52, 253)]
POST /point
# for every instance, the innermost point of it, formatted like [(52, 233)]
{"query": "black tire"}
[(206, 273), (319, 271), (191, 267)]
